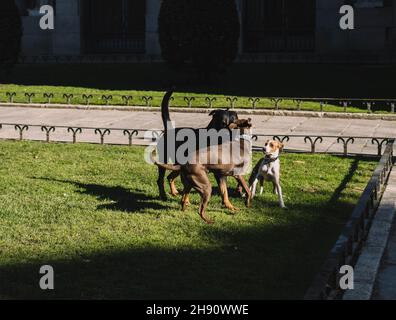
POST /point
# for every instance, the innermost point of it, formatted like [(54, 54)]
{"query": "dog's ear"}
[(213, 113), (280, 146), (232, 126)]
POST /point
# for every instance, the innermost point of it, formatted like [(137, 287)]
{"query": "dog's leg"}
[(280, 195), (239, 190), (222, 181), (256, 180), (200, 182), (245, 187), (205, 197), (253, 188), (275, 190), (171, 179), (186, 197), (261, 186), (161, 183)]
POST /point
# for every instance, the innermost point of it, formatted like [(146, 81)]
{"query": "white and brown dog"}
[(268, 169)]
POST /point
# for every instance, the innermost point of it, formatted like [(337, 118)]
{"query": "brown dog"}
[(228, 159), (221, 119)]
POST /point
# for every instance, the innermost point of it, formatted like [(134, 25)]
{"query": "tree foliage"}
[(204, 33), (10, 35)]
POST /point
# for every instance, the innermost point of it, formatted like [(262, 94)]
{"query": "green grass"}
[(200, 99), (242, 80), (92, 213)]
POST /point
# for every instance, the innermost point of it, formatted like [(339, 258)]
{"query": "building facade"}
[(286, 29)]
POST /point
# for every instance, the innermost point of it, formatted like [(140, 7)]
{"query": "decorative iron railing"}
[(347, 248), (245, 57), (122, 136), (190, 101)]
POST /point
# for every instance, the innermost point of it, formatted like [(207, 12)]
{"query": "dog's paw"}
[(232, 209)]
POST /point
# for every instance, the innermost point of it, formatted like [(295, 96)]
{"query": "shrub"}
[(203, 33), (10, 35)]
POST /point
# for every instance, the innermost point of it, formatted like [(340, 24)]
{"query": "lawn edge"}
[(268, 112)]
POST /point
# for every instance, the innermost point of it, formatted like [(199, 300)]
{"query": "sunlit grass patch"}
[(92, 212)]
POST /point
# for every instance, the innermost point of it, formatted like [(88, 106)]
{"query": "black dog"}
[(221, 119)]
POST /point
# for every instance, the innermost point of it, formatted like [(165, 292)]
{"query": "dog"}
[(268, 169), (220, 159), (221, 119)]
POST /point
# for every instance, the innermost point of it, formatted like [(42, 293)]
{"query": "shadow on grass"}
[(348, 177), (255, 262), (123, 199)]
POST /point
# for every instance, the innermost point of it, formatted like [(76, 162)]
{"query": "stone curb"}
[(368, 264), (266, 112)]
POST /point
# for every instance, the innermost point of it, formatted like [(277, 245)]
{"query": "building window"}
[(279, 25), (32, 7), (117, 26), (368, 3)]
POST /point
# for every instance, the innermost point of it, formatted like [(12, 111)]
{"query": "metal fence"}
[(347, 248), (190, 101), (91, 58), (314, 140), (74, 132), (340, 145), (246, 57)]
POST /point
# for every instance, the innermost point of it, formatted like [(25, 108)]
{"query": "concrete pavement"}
[(385, 285), (151, 120), (375, 270)]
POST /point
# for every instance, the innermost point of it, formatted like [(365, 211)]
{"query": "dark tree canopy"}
[(10, 35), (204, 33)]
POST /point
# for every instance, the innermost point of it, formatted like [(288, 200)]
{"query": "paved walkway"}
[(375, 270), (385, 285), (266, 125)]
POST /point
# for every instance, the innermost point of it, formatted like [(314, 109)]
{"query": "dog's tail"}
[(171, 167), (165, 109)]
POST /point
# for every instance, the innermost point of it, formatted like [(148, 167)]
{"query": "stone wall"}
[(152, 39), (375, 32), (34, 40), (67, 34)]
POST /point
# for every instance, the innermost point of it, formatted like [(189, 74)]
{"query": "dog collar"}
[(268, 159), (245, 137)]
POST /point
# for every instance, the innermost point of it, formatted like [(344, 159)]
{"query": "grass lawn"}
[(139, 98), (242, 81), (92, 213)]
